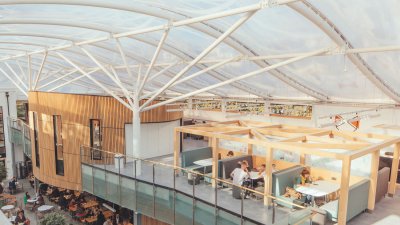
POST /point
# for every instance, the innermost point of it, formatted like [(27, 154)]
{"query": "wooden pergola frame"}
[(303, 141)]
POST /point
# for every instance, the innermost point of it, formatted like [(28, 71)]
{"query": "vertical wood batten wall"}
[(76, 111)]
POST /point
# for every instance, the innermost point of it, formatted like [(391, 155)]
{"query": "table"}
[(320, 188), (90, 204), (254, 175), (45, 208), (204, 163), (32, 200), (91, 219), (7, 207), (107, 214)]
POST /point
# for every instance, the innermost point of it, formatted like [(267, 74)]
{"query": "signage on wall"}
[(291, 111)]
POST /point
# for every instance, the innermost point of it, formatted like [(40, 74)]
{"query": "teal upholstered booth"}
[(189, 157), (227, 165), (357, 202), (285, 178)]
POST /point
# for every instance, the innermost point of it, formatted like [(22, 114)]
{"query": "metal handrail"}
[(200, 174)]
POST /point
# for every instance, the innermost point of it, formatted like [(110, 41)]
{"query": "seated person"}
[(39, 201), (55, 193), (26, 197), (21, 219), (32, 180), (63, 202), (230, 154), (241, 176), (261, 175), (12, 185), (304, 179)]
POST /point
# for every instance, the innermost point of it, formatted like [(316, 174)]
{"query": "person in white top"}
[(241, 176)]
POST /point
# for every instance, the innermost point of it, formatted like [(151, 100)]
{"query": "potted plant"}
[(53, 219)]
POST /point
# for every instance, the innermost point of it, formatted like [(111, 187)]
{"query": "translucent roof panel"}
[(124, 36)]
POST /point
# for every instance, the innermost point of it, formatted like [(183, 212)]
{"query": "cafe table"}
[(204, 163), (45, 208), (320, 188)]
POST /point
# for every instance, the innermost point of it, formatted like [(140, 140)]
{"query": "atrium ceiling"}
[(315, 50)]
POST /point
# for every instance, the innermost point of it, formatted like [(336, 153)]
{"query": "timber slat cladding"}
[(76, 112)]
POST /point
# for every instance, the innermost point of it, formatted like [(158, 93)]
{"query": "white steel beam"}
[(39, 73), (184, 22), (95, 81), (262, 70), (30, 72), (16, 75), (71, 81), (57, 79), (197, 74), (126, 93), (229, 31), (153, 60), (15, 83)]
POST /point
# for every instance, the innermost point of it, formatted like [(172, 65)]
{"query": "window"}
[(95, 138), (36, 138), (58, 145)]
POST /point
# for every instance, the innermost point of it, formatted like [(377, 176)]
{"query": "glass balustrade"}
[(19, 134), (162, 191)]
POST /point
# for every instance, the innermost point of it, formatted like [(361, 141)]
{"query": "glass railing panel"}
[(99, 182), (145, 199), (204, 190), (164, 176), (87, 178), (164, 205), (128, 194), (113, 188), (183, 209), (254, 208), (226, 218), (204, 214), (145, 171), (299, 217)]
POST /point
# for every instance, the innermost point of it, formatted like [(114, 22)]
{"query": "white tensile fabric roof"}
[(275, 30)]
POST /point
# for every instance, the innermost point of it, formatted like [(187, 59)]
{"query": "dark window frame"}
[(57, 143), (36, 138), (95, 155)]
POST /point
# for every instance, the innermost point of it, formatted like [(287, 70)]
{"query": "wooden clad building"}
[(63, 122)]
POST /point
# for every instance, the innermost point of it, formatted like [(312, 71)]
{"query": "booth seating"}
[(286, 178), (227, 165), (382, 183), (188, 157), (357, 201)]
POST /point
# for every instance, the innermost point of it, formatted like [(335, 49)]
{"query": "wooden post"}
[(374, 180), (214, 160), (177, 147), (344, 190), (395, 169), (268, 175), (302, 155)]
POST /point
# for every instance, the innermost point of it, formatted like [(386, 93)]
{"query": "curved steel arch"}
[(310, 12), (123, 7), (98, 27), (99, 45)]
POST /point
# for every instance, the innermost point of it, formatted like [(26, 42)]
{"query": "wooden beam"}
[(367, 135), (395, 169), (177, 146), (331, 140), (373, 180), (242, 131), (375, 147), (214, 160), (348, 137), (344, 191), (268, 176), (277, 133), (329, 145)]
